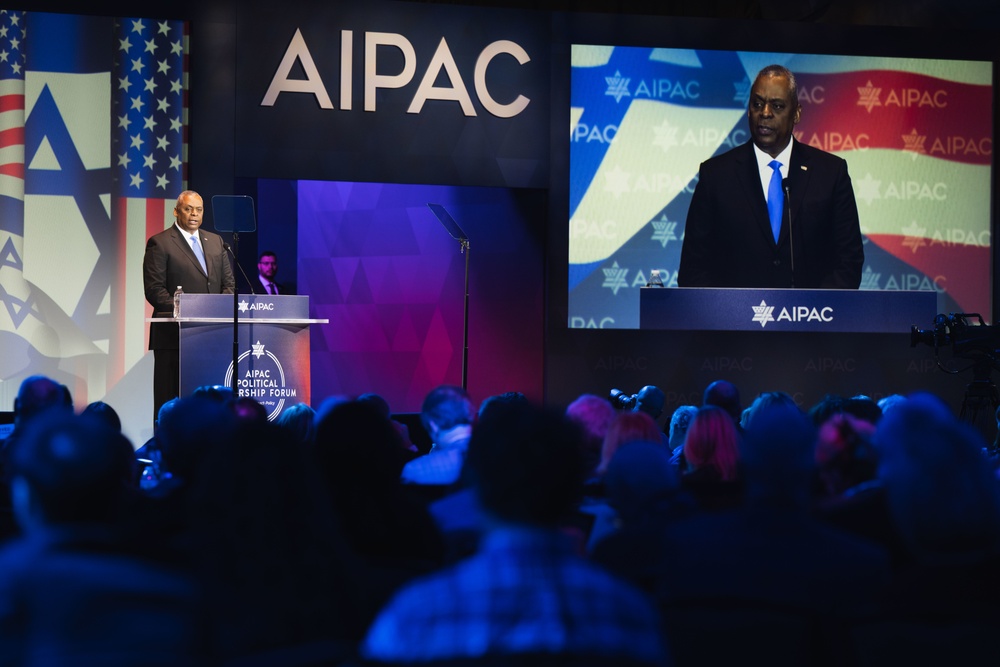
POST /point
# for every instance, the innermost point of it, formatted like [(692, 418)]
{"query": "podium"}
[(800, 310), (273, 346)]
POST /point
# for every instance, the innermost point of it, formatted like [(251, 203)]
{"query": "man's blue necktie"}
[(198, 253), (775, 199)]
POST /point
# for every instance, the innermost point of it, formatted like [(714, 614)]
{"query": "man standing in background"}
[(267, 272)]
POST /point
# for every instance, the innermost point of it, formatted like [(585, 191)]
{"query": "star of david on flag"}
[(93, 143)]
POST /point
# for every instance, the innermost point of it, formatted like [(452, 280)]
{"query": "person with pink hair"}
[(593, 415), (627, 427), (711, 455)]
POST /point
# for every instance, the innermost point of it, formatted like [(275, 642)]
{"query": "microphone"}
[(237, 263), (791, 238)]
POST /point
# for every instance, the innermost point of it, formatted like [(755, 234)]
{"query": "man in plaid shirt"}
[(526, 594)]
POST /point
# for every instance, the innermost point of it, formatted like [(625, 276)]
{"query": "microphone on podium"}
[(237, 263), (791, 238)]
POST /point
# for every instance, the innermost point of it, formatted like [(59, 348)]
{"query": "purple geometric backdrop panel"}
[(379, 265)]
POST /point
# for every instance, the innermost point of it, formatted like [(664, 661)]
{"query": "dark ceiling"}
[(939, 14)]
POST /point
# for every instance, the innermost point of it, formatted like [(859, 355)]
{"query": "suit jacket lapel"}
[(749, 177), (182, 241), (204, 249), (798, 181)]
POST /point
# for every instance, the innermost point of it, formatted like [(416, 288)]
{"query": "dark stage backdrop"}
[(383, 269)]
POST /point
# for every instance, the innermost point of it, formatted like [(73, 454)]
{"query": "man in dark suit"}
[(172, 259), (267, 272), (756, 203)]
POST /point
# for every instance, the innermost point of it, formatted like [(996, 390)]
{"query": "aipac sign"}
[(393, 92), (849, 311), (801, 313)]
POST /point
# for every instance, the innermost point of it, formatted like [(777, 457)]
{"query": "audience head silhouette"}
[(524, 465), (39, 393), (444, 408), (725, 395), (68, 469), (104, 412), (627, 427), (593, 415), (778, 455), (712, 443), (650, 400), (942, 493)]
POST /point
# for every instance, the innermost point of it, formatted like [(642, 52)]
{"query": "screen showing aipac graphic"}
[(917, 135)]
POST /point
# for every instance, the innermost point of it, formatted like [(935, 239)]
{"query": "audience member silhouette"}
[(249, 409), (37, 394), (711, 460), (105, 413), (887, 403), (643, 488), (72, 589), (650, 399), (150, 457), (447, 415), (725, 395), (497, 400), (764, 401), (627, 427), (593, 415), (768, 563), (845, 457), (359, 457), (943, 495), (299, 422), (861, 407), (680, 421), (278, 579), (525, 595), (944, 501), (382, 406), (457, 514)]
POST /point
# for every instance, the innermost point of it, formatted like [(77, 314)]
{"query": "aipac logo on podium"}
[(262, 378)]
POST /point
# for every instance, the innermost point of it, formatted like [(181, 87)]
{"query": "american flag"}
[(11, 110), (93, 153), (149, 147), (14, 293)]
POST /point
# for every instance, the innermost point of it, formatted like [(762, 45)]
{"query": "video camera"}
[(623, 401), (968, 340)]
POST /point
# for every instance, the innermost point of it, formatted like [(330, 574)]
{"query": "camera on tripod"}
[(623, 401), (980, 344), (968, 340)]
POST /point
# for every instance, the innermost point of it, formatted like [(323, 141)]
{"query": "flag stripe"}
[(12, 102), (136, 220)]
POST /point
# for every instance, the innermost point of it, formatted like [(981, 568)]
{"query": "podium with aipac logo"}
[(799, 310), (272, 346)]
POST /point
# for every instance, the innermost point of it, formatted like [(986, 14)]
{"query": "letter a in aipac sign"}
[(313, 83), (441, 61)]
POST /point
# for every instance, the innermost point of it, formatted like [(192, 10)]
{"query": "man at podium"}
[(187, 256), (773, 212)]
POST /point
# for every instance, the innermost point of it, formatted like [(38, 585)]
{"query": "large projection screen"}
[(917, 134)]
